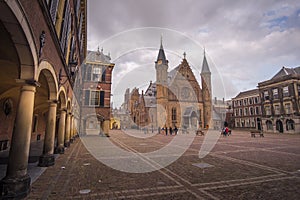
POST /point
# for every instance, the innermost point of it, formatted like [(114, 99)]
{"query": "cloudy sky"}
[(246, 42)]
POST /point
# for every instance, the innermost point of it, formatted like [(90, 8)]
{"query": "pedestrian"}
[(176, 130), (171, 131), (166, 129), (226, 131)]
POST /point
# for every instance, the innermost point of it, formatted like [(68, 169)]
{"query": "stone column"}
[(47, 159), (71, 128), (67, 133), (61, 132), (16, 183)]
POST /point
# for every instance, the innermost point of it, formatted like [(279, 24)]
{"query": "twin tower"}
[(179, 95)]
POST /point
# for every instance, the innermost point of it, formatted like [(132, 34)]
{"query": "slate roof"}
[(161, 55), (205, 68), (286, 71), (247, 93), (98, 56)]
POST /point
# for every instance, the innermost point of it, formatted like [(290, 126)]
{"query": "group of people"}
[(225, 131), (166, 130)]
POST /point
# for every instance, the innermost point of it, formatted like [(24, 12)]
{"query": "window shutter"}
[(102, 98)]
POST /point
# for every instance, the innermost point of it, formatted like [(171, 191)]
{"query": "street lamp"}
[(73, 67)]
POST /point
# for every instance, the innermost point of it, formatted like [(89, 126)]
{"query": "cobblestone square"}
[(238, 167)]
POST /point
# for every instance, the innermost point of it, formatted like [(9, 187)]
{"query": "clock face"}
[(185, 93)]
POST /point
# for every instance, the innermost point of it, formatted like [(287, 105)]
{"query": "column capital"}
[(31, 82), (52, 103), (63, 110)]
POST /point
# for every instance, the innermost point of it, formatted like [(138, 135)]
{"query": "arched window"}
[(290, 124), (269, 125)]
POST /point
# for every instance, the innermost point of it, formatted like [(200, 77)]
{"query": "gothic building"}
[(174, 99), (43, 43)]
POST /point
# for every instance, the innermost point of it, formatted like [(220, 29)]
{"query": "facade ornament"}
[(42, 42), (7, 106)]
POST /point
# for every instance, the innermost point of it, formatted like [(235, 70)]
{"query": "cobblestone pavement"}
[(238, 167)]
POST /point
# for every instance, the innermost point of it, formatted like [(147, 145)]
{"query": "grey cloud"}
[(239, 35)]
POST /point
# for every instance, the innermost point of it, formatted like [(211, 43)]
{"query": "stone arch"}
[(49, 73), (69, 107), (62, 97), (23, 39)]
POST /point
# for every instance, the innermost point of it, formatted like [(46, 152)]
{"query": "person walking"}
[(176, 130)]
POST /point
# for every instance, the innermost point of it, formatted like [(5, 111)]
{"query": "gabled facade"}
[(175, 99)]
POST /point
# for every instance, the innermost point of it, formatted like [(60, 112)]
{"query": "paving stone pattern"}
[(238, 167)]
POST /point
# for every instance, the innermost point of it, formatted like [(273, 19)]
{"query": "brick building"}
[(43, 43), (247, 110), (96, 93), (280, 101)]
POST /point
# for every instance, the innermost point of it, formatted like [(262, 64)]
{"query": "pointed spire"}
[(205, 67), (161, 39), (161, 54)]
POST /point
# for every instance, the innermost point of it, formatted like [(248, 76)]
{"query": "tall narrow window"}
[(174, 114), (275, 93), (277, 109), (96, 73), (245, 111), (286, 91), (268, 110), (266, 95), (88, 72), (94, 100), (257, 110), (251, 111), (287, 108), (103, 75)]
